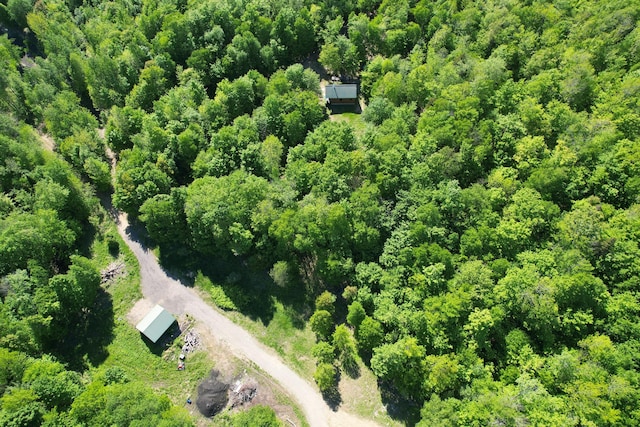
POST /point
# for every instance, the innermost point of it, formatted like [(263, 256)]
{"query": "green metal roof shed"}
[(155, 323)]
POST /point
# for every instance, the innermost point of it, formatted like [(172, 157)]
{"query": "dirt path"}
[(47, 141), (159, 288)]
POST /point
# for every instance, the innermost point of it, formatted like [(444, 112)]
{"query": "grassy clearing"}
[(156, 365), (354, 119), (277, 325), (290, 342), (288, 334), (361, 396), (129, 352), (139, 361)]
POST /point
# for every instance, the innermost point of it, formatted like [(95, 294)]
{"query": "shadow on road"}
[(333, 398)]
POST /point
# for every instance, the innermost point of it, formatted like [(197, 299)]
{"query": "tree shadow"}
[(312, 63), (175, 261), (398, 407), (22, 38), (350, 367), (297, 303), (250, 289), (86, 239), (246, 281), (365, 356), (297, 311), (332, 396), (177, 264), (344, 108), (86, 341)]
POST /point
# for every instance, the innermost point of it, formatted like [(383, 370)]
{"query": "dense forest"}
[(472, 236)]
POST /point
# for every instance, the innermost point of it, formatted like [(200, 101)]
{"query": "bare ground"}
[(47, 141)]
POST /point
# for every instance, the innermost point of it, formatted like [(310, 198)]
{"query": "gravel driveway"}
[(159, 288)]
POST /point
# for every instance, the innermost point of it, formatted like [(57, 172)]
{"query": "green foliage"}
[(18, 10), (324, 352), (123, 404), (106, 85), (77, 289), (65, 116), (12, 367), (218, 210), (163, 216), (345, 347), (136, 181), (480, 218), (220, 298), (340, 57), (259, 416), (57, 391), (20, 408), (326, 301), (122, 125), (115, 375), (325, 377), (322, 324), (369, 334), (402, 364), (41, 237), (356, 314), (378, 110)]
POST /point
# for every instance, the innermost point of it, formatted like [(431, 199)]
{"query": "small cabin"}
[(341, 94), (155, 323)]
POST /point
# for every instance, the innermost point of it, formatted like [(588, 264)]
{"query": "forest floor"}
[(47, 141)]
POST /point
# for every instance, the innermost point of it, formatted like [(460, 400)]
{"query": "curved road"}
[(158, 288)]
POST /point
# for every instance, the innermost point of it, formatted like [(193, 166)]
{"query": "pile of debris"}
[(212, 395), (112, 271), (191, 342), (243, 392)]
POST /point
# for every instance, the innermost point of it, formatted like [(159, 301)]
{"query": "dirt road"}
[(159, 288)]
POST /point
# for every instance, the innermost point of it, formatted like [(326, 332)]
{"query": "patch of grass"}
[(259, 307), (220, 298), (283, 335), (362, 397), (126, 291), (130, 353), (127, 350), (354, 119), (229, 296), (275, 315)]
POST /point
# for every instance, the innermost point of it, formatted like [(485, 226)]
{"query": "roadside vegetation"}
[(470, 238)]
